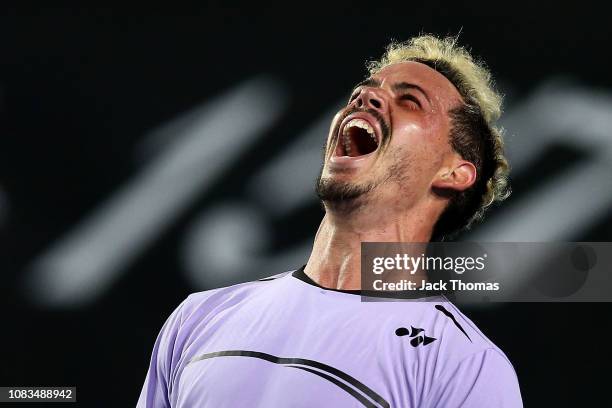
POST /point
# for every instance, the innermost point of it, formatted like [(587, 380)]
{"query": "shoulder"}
[(454, 328), (444, 333), (201, 303), (468, 361), (482, 379), (192, 314)]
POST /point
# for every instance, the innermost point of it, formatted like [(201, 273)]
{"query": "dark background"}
[(85, 95)]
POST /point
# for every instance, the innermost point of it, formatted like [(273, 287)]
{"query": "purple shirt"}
[(285, 342)]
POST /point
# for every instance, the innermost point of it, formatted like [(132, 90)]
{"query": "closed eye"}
[(412, 98)]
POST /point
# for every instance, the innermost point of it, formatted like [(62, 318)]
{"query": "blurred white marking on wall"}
[(230, 243), (558, 112), (289, 181), (572, 201), (556, 210), (83, 264)]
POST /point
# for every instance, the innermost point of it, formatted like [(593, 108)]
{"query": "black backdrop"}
[(81, 91)]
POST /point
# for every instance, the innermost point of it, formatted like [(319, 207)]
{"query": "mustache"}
[(384, 126)]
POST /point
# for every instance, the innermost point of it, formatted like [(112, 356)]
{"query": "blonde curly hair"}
[(474, 133)]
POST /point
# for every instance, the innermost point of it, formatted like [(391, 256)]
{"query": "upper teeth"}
[(360, 123)]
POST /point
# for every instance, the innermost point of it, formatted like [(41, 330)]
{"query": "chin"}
[(337, 189)]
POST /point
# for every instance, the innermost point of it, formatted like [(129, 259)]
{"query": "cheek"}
[(334, 126), (425, 135), (416, 152), (418, 138), (332, 130), (414, 126), (406, 175)]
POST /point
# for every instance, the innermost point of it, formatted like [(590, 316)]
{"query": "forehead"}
[(436, 85)]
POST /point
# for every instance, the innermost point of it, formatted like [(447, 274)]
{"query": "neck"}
[(335, 260)]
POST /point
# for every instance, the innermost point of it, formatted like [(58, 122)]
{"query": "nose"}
[(370, 98)]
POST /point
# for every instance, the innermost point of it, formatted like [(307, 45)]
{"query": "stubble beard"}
[(343, 196), (347, 197)]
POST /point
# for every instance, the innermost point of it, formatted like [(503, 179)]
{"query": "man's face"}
[(391, 140)]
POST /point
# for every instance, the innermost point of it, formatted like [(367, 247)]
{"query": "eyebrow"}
[(375, 83), (400, 86), (405, 85)]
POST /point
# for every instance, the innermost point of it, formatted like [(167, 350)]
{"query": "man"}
[(414, 155)]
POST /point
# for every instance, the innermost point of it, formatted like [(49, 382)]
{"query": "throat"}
[(335, 260)]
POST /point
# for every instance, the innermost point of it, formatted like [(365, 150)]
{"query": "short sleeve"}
[(484, 379), (155, 391)]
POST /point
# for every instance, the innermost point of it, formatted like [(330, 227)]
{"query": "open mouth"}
[(357, 138)]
